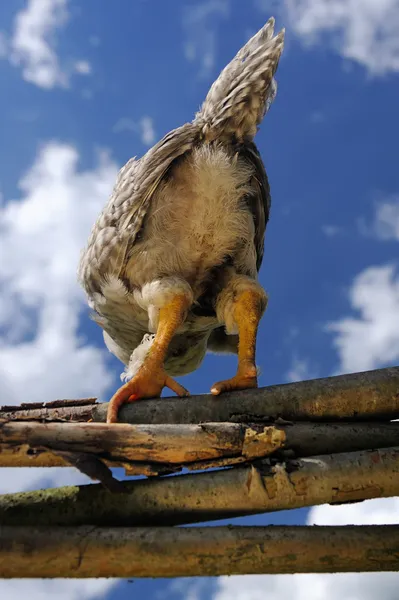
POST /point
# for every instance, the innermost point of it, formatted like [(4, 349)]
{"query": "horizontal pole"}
[(187, 552), (370, 395), (269, 486), (151, 449), (121, 442)]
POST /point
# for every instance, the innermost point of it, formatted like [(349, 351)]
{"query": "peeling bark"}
[(186, 552), (161, 449), (125, 443)]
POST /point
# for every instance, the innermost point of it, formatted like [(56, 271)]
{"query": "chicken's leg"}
[(246, 309), (151, 378)]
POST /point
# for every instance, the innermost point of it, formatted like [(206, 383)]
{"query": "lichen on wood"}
[(265, 487)]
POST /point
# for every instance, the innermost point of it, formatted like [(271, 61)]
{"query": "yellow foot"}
[(245, 378), (145, 384)]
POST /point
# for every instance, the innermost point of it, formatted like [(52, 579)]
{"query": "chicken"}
[(171, 265)]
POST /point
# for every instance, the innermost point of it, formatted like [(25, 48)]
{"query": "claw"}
[(244, 380), (122, 396), (143, 385), (176, 387)]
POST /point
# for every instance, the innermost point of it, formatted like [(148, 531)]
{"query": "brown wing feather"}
[(120, 222)]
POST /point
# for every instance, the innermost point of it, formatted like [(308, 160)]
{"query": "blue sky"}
[(88, 85)]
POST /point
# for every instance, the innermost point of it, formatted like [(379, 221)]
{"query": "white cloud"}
[(70, 589), (364, 31), (82, 67), (41, 235), (32, 44), (364, 586), (369, 512), (144, 128), (147, 131), (43, 355), (371, 339), (189, 589), (299, 371), (386, 225), (199, 24), (26, 479)]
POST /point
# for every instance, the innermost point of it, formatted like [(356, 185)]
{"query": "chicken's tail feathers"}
[(243, 92)]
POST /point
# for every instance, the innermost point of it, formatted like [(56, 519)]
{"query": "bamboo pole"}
[(359, 396), (212, 495), (186, 552)]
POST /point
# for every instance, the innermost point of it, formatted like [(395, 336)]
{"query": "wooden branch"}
[(151, 449), (167, 444), (359, 396), (186, 552), (212, 495)]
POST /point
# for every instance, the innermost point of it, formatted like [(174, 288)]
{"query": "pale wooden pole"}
[(270, 486)]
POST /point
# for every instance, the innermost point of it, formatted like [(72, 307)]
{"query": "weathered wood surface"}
[(268, 486), (148, 449), (186, 552), (371, 395), (169, 444)]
